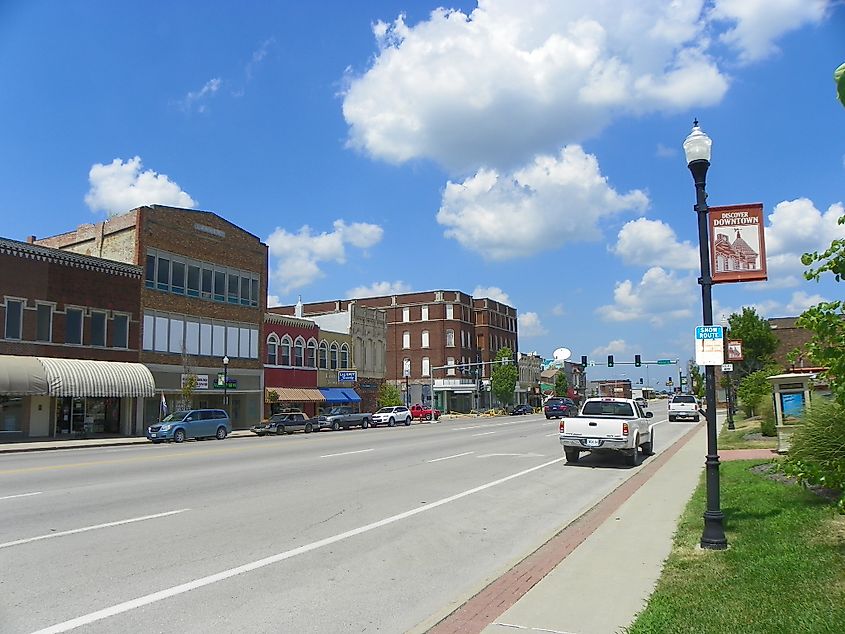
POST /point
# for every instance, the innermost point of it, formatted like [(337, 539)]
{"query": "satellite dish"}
[(562, 354)]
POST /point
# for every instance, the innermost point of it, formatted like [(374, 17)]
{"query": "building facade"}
[(203, 301), (290, 368), (69, 351)]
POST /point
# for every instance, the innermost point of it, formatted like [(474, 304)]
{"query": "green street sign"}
[(664, 361)]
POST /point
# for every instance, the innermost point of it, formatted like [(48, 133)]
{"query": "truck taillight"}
[(624, 429), (561, 426)]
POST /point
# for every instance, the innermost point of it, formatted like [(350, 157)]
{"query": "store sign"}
[(229, 384), (347, 376), (202, 381), (737, 244)]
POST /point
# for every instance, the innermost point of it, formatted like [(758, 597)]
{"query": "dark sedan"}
[(560, 407), (286, 423), (522, 409)]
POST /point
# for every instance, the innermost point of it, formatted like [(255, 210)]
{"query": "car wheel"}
[(671, 419), (335, 426), (648, 447), (548, 417), (365, 423), (280, 429), (391, 422), (697, 418), (179, 435), (427, 417), (308, 428), (633, 458), (572, 454), (221, 433), (407, 421)]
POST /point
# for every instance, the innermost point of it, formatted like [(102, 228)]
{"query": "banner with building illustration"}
[(737, 244)]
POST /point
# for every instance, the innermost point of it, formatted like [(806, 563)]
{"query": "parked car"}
[(343, 418), (421, 412), (286, 423), (390, 416), (195, 423), (522, 409), (559, 406)]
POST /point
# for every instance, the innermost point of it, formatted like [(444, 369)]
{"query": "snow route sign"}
[(709, 345)]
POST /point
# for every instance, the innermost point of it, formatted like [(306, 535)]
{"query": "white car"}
[(391, 416)]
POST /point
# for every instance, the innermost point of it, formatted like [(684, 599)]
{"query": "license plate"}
[(153, 435), (593, 442)]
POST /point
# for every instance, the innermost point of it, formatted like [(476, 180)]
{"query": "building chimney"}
[(30, 239)]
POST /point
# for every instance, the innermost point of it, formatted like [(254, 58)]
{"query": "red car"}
[(424, 413)]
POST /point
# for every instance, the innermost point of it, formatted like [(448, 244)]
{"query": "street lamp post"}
[(697, 150), (225, 381)]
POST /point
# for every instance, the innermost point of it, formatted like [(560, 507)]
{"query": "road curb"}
[(482, 609)]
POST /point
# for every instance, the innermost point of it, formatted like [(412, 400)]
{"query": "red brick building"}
[(290, 368)]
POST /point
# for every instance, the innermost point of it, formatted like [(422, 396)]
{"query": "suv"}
[(391, 415), (683, 406), (560, 407), (194, 423)]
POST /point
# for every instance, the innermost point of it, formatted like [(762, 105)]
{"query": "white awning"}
[(84, 377), (21, 376)]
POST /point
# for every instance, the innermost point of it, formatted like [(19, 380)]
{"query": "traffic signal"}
[(584, 360), (638, 360), (641, 380), (610, 361)]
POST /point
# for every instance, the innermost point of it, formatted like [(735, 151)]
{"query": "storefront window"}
[(11, 414)]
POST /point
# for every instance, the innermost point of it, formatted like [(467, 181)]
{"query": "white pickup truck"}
[(683, 406), (608, 425)]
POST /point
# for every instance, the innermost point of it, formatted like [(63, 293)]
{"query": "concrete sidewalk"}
[(598, 573)]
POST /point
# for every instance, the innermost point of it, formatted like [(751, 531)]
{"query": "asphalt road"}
[(378, 530)]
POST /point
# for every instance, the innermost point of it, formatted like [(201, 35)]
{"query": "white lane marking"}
[(346, 453), (457, 455), (463, 428), (155, 597), (90, 528), (20, 495), (518, 455), (485, 433)]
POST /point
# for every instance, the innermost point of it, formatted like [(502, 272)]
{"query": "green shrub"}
[(817, 451), (768, 425)]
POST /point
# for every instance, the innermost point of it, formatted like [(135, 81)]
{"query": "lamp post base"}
[(713, 537)]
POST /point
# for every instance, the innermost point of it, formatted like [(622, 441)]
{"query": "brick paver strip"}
[(747, 454), (486, 606)]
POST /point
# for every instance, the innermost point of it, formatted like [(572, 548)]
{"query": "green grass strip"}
[(783, 572)]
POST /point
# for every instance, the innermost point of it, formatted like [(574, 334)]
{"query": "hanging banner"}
[(735, 350), (737, 244)]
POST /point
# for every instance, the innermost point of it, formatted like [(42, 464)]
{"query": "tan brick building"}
[(203, 300)]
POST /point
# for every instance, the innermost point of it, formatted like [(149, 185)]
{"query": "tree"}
[(389, 395), (189, 381), (754, 387), (503, 377), (696, 379), (758, 341), (561, 383), (839, 78)]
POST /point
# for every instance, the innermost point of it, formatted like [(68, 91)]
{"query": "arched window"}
[(333, 355), (272, 348), (323, 358), (311, 354), (344, 357), (299, 352), (285, 356)]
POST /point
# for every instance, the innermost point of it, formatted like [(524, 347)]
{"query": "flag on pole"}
[(164, 410)]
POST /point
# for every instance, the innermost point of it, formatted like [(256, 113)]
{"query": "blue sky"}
[(526, 151)]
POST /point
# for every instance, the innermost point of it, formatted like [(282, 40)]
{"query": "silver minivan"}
[(195, 423)]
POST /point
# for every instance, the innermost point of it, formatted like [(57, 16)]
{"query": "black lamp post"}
[(697, 150), (225, 380)]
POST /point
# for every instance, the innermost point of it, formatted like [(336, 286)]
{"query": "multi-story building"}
[(203, 301), (69, 344), (528, 386), (290, 368), (430, 334)]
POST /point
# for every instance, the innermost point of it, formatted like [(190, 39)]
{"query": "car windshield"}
[(554, 403), (385, 410), (174, 416), (336, 410)]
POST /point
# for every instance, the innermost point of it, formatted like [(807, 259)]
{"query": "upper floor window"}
[(272, 350), (406, 367), (424, 339), (323, 355), (406, 339), (450, 311), (299, 352), (285, 349), (120, 331), (177, 284), (450, 338), (406, 314), (450, 361), (44, 325), (163, 274), (333, 355), (344, 357), (426, 366), (98, 329), (424, 310), (14, 318), (311, 354), (73, 325)]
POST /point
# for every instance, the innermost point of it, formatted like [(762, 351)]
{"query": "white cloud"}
[(658, 297), (765, 309), (508, 79), (196, 100), (554, 199), (797, 227), (654, 243), (118, 187), (617, 346), (801, 301), (664, 151), (757, 23), (273, 300), (530, 325), (379, 288), (492, 292), (558, 310), (300, 254)]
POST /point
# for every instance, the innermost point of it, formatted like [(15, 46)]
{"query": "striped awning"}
[(21, 376), (84, 377), (293, 395)]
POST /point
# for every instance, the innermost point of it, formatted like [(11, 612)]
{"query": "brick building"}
[(433, 329), (71, 328), (203, 301), (290, 368)]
